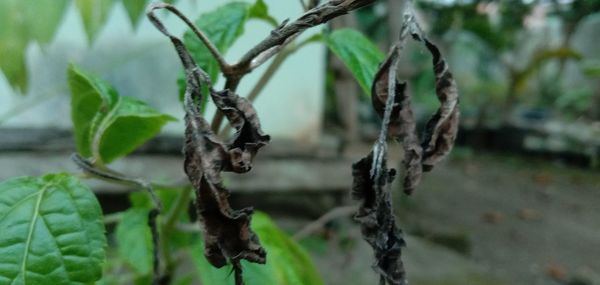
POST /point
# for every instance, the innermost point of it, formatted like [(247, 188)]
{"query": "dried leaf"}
[(402, 123), (228, 237), (380, 91), (372, 179), (249, 137), (442, 127), (377, 219)]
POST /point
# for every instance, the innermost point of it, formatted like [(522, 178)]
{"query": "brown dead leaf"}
[(227, 233), (442, 128)]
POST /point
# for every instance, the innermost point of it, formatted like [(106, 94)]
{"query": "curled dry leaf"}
[(376, 217), (442, 127), (402, 123), (248, 138), (228, 237), (372, 180)]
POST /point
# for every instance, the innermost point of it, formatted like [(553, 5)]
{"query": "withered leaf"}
[(227, 232), (442, 127), (372, 179), (228, 236), (376, 217), (402, 124), (249, 137)]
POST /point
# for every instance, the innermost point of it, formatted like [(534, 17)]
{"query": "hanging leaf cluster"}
[(227, 233), (372, 178)]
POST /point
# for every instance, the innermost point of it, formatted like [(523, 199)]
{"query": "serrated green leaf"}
[(260, 10), (135, 10), (358, 53), (52, 231), (134, 240), (223, 26), (94, 14), (117, 124), (287, 263)]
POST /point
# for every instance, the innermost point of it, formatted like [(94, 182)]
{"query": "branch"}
[(333, 214), (316, 16)]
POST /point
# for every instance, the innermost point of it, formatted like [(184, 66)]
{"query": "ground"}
[(484, 219)]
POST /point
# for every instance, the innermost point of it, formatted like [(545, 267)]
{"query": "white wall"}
[(143, 63)]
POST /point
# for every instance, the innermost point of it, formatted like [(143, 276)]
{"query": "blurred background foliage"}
[(507, 54), (504, 53)]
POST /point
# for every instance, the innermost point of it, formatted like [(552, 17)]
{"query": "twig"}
[(279, 38), (112, 218), (205, 40), (154, 233), (237, 270), (105, 173), (272, 69), (319, 223), (316, 16)]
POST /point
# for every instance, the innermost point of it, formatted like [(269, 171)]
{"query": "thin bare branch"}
[(105, 173), (203, 38), (320, 223), (313, 17)]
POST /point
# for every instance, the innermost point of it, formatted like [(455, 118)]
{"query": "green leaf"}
[(44, 17), (52, 231), (260, 11), (223, 26), (20, 22), (106, 125), (591, 68), (134, 240), (135, 9), (358, 53), (94, 14), (13, 42), (287, 263)]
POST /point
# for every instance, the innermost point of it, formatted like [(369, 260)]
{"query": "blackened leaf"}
[(228, 237), (441, 129), (227, 232), (377, 219), (249, 137), (288, 263)]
